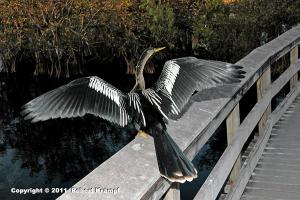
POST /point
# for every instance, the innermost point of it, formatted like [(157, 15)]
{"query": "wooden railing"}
[(260, 116), (133, 172)]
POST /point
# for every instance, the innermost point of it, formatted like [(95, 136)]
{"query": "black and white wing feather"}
[(181, 77), (88, 95)]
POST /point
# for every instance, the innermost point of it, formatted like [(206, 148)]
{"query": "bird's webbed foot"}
[(142, 134)]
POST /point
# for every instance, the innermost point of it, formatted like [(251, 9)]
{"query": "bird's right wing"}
[(181, 77), (88, 95)]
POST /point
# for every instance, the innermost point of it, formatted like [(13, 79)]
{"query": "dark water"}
[(204, 161), (55, 153), (58, 153)]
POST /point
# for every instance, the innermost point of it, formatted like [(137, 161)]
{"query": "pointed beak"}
[(158, 49)]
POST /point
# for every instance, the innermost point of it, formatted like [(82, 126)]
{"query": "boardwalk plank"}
[(276, 179), (283, 146), (275, 195), (284, 142), (285, 136), (272, 172), (281, 150), (280, 161), (248, 197), (282, 156), (276, 166), (274, 186), (258, 198)]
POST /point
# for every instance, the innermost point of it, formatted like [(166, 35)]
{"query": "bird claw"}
[(142, 134)]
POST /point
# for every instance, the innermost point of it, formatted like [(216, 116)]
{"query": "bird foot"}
[(142, 134)]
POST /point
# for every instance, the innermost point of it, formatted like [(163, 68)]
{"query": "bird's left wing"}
[(88, 95), (181, 77)]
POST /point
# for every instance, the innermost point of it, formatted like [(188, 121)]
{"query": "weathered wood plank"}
[(258, 198), (282, 156), (173, 193), (294, 54), (283, 146), (289, 175), (276, 179), (276, 195), (276, 151), (279, 160), (279, 150), (276, 166), (293, 59), (269, 147), (253, 142), (294, 81), (284, 142), (273, 186), (262, 84), (284, 134), (273, 172), (232, 124)]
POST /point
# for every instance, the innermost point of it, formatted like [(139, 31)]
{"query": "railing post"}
[(173, 193), (293, 59), (262, 84), (232, 123)]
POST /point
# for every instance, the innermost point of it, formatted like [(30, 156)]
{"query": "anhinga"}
[(147, 107)]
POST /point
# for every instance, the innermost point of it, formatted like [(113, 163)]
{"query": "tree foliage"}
[(63, 37)]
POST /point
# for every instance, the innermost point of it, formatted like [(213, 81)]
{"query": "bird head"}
[(150, 51), (146, 55), (158, 49)]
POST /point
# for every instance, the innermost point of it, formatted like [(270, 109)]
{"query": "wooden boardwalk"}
[(277, 173)]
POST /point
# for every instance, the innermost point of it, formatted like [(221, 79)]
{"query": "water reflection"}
[(55, 153)]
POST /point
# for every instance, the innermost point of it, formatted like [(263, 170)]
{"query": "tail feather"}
[(172, 163)]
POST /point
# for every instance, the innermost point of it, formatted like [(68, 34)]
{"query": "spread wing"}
[(181, 77), (88, 95)]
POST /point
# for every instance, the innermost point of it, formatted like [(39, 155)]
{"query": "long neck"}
[(139, 83), (141, 65), (139, 77)]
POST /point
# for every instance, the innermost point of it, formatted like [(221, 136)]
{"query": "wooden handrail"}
[(219, 174), (250, 163), (133, 170)]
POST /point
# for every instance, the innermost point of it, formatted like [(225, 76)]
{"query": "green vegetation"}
[(62, 37)]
